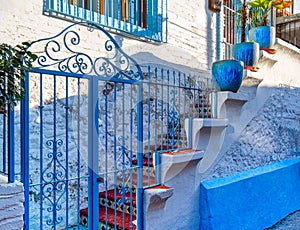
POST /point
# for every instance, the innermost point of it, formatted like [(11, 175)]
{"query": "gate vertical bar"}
[(41, 108), (140, 156), (25, 149), (11, 145), (93, 204)]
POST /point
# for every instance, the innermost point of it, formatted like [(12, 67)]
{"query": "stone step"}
[(197, 114), (107, 219), (153, 148)]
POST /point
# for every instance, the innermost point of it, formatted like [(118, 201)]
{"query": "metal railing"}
[(7, 145), (144, 19), (288, 29), (170, 97)]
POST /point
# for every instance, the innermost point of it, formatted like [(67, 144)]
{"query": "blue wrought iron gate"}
[(93, 127), (82, 135)]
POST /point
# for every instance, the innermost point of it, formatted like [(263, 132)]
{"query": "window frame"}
[(140, 19)]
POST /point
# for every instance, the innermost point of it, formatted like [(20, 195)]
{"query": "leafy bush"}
[(15, 62)]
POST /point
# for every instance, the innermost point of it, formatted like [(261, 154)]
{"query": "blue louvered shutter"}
[(154, 19)]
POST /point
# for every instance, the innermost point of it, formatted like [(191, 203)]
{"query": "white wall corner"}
[(154, 204)]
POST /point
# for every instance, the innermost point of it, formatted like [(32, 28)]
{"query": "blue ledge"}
[(253, 199)]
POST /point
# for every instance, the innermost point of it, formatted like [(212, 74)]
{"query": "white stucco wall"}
[(11, 205), (187, 31)]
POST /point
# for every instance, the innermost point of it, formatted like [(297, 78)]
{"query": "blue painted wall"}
[(253, 199)]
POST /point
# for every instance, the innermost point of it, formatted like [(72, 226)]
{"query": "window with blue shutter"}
[(140, 18)]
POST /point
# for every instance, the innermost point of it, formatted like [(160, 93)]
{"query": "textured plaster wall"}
[(272, 135), (11, 206), (267, 128), (187, 31)]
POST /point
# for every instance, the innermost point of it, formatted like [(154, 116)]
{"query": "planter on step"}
[(247, 52), (263, 35), (228, 75)]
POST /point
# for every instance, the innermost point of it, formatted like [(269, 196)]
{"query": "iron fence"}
[(9, 122), (288, 29)]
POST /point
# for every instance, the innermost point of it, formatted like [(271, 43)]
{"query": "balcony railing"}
[(288, 29), (142, 19)]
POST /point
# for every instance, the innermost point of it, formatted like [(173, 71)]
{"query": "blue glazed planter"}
[(228, 75), (263, 35), (247, 52)]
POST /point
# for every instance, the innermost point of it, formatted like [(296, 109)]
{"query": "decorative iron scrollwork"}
[(53, 177), (61, 53)]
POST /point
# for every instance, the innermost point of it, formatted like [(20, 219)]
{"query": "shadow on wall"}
[(146, 59)]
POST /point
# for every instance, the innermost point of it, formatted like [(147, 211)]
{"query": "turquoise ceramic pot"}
[(263, 35), (247, 52), (228, 74)]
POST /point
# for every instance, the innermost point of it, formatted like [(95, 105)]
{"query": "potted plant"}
[(246, 51), (261, 31), (228, 75), (15, 62)]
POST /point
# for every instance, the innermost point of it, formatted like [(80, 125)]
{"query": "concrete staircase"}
[(117, 207), (208, 138)]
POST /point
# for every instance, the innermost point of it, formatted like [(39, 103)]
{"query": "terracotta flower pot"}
[(228, 75)]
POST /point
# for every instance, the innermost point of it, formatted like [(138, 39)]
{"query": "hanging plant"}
[(15, 62)]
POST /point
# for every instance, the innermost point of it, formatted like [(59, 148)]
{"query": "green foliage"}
[(15, 62), (259, 10), (243, 17)]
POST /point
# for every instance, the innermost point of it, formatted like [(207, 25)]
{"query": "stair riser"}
[(111, 204), (102, 226), (146, 171)]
